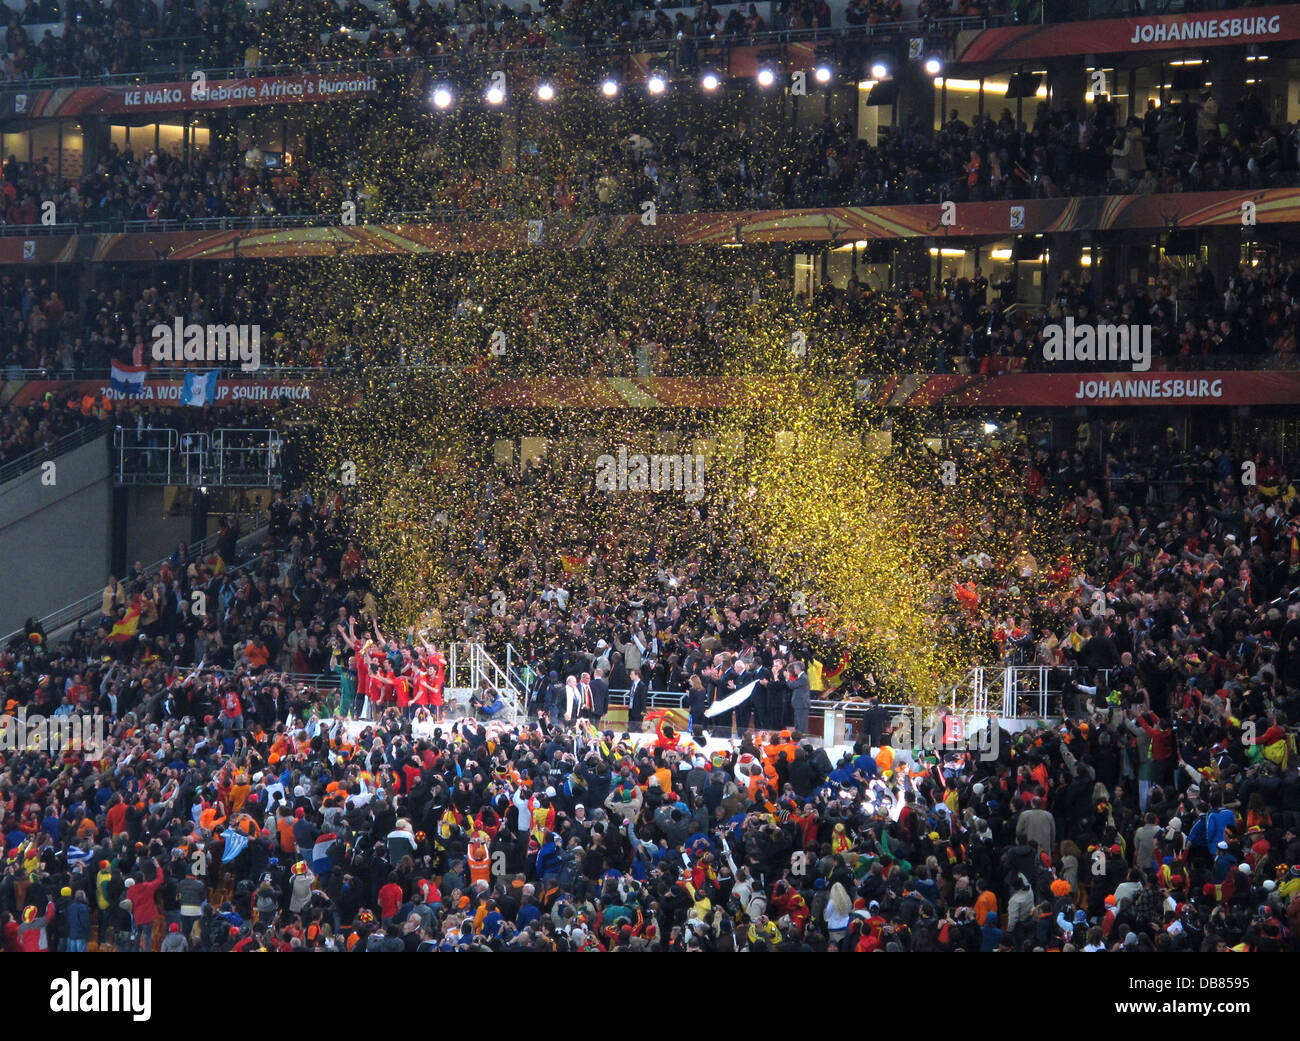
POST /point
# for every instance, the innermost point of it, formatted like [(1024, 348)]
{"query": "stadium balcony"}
[(85, 433), (458, 231)]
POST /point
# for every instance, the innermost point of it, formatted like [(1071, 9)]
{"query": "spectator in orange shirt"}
[(255, 653), (115, 819)]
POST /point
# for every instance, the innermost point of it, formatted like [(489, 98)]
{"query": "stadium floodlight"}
[(710, 82), (545, 92), (656, 84), (822, 73), (609, 87), (766, 77), (879, 70), (933, 66), (442, 97), (495, 95)]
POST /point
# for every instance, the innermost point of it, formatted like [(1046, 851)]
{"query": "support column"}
[(1067, 82), (915, 95), (1223, 251), (96, 139), (119, 509), (911, 261), (199, 517), (1063, 249), (1227, 73)]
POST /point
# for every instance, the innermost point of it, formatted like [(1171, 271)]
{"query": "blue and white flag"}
[(200, 388), (235, 842)]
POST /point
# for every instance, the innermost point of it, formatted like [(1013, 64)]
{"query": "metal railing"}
[(469, 666), (1011, 692), (149, 456), (677, 700), (236, 457), (244, 458), (1037, 691), (73, 439)]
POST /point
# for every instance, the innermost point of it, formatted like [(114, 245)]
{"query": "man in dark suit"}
[(736, 677), (800, 696), (766, 697), (270, 706), (599, 694), (638, 692), (778, 696), (874, 721), (1100, 652), (555, 696)]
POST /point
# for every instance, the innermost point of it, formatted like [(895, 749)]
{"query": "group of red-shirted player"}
[(388, 673)]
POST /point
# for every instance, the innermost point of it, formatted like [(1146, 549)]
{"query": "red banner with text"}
[(189, 95), (1120, 35)]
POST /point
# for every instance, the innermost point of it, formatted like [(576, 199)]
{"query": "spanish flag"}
[(126, 628), (967, 597), (674, 717), (572, 564), (834, 676)]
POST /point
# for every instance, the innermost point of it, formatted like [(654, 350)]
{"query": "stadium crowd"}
[(613, 157), (239, 809), (141, 35), (683, 314), (275, 772)]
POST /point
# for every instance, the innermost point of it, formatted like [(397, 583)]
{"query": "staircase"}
[(1011, 692), (468, 666)]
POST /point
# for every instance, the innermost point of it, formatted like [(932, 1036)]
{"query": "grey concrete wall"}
[(150, 535), (54, 534)]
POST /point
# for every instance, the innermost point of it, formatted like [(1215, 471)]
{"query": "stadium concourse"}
[(235, 809)]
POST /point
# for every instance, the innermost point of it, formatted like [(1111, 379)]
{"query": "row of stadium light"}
[(657, 83)]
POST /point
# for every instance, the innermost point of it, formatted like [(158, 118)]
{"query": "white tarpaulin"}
[(730, 701)]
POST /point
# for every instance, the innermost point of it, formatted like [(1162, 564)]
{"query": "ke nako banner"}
[(185, 96), (1118, 35), (1062, 389), (180, 391)]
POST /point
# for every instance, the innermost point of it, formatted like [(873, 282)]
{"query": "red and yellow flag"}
[(126, 628)]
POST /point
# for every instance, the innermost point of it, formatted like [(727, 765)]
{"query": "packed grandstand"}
[(380, 664)]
